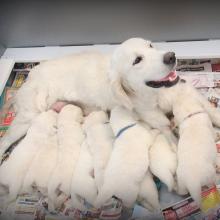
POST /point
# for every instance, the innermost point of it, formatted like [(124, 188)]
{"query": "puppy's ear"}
[(121, 94)]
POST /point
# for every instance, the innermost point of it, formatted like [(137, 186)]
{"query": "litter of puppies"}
[(86, 164)]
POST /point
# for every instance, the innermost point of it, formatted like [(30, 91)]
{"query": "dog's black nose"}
[(169, 58)]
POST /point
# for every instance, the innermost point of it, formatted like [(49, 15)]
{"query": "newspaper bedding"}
[(203, 74)]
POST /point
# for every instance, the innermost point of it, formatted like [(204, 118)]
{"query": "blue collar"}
[(124, 129)]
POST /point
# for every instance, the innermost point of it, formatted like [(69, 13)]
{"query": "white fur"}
[(42, 165), (13, 171), (129, 161), (163, 161), (100, 141), (148, 194), (196, 147), (83, 185), (93, 80), (70, 138)]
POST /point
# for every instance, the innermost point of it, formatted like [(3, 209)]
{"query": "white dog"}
[(70, 138), (83, 186), (129, 161), (196, 147), (163, 161), (42, 165), (13, 171), (100, 141), (96, 80)]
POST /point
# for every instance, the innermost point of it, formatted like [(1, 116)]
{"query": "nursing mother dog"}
[(96, 80)]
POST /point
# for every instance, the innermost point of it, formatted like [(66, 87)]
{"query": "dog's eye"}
[(151, 46), (137, 60)]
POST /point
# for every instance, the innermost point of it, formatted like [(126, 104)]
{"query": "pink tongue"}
[(170, 77)]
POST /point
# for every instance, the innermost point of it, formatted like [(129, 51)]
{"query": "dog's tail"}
[(53, 192), (167, 178), (103, 196), (194, 181), (148, 193)]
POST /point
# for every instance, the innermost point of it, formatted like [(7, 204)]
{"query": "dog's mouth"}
[(170, 80)]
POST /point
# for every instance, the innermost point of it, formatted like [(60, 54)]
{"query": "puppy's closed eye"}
[(137, 60)]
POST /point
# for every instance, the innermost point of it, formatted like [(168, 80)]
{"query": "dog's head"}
[(136, 65), (95, 118)]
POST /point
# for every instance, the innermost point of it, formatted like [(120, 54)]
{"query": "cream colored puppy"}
[(100, 141), (129, 161), (196, 148), (83, 186), (163, 161), (41, 134), (42, 166), (70, 138)]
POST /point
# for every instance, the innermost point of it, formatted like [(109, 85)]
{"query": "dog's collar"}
[(192, 114), (124, 129), (159, 84)]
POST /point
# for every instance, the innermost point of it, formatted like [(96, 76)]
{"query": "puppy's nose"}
[(169, 58)]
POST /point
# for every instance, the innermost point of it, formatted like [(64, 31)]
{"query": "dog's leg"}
[(17, 130), (214, 113)]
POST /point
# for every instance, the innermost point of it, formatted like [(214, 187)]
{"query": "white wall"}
[(73, 22)]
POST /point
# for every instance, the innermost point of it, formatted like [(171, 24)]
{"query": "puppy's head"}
[(95, 118), (135, 65), (70, 113), (45, 123)]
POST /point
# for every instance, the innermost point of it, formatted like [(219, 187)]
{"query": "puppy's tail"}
[(103, 197), (148, 193), (165, 176), (53, 189), (195, 181), (195, 190)]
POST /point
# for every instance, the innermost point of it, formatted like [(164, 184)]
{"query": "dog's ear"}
[(121, 94)]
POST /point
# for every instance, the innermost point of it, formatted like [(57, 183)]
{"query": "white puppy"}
[(100, 141), (196, 147), (70, 138), (148, 193), (13, 171), (129, 161), (42, 165), (83, 186), (163, 161), (97, 80)]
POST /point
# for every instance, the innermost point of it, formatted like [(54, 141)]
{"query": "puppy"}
[(96, 80), (83, 186), (148, 194), (129, 161), (100, 141), (13, 171), (70, 138), (42, 165), (196, 148), (163, 161)]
